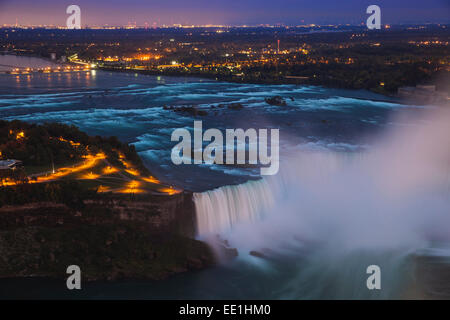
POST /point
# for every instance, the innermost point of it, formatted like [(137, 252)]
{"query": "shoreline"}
[(213, 77)]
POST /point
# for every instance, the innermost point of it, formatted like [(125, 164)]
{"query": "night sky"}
[(230, 12)]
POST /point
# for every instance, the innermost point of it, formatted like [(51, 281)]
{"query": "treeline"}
[(16, 176), (69, 192), (112, 146), (365, 75), (39, 145), (383, 67)]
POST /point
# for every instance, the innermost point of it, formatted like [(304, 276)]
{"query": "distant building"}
[(10, 164), (423, 94)]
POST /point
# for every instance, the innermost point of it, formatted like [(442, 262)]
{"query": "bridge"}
[(55, 69)]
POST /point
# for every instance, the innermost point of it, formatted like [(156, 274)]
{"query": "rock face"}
[(174, 214), (150, 237), (191, 110), (257, 254), (235, 106), (276, 101)]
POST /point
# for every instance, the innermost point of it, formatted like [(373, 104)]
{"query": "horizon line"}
[(177, 25)]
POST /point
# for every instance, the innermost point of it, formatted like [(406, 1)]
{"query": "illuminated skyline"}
[(202, 12)]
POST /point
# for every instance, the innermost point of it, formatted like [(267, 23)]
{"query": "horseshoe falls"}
[(327, 216), (221, 209), (359, 185)]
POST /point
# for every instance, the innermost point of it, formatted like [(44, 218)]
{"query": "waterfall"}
[(327, 216), (221, 209), (392, 196)]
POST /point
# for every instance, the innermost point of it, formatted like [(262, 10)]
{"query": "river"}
[(297, 219)]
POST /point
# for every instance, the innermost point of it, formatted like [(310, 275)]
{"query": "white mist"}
[(332, 208)]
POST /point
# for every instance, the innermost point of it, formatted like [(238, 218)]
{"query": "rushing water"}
[(130, 106), (335, 208), (221, 209), (333, 214)]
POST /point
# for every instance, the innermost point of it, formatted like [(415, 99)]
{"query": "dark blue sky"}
[(232, 12)]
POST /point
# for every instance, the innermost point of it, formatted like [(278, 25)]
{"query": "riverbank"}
[(249, 80), (148, 237), (244, 79)]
